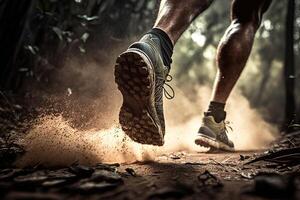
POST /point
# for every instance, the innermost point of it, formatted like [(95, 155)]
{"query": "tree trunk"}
[(13, 18), (289, 66)]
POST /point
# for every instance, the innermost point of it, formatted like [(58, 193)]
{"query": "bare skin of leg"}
[(235, 46), (175, 16)]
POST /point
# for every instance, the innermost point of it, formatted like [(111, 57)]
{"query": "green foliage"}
[(58, 30)]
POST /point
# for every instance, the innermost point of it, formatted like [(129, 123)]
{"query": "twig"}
[(277, 154), (226, 159), (225, 167)]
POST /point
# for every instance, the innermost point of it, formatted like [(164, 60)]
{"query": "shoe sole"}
[(207, 142), (136, 81)]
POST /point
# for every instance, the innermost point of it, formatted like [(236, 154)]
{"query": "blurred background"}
[(63, 52)]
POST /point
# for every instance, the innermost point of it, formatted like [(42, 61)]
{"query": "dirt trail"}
[(171, 176)]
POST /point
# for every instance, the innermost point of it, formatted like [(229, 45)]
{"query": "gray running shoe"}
[(214, 135), (140, 75)]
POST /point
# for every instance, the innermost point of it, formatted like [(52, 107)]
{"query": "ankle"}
[(165, 44), (168, 32), (216, 110)]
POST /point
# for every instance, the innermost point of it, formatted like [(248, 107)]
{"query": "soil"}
[(174, 176), (179, 175)]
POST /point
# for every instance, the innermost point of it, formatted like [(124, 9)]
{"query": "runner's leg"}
[(175, 16), (236, 44)]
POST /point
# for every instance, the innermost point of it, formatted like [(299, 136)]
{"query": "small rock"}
[(97, 187), (7, 174), (246, 175), (130, 171), (207, 179), (61, 174), (174, 157), (242, 157), (108, 176), (54, 183), (82, 171), (18, 107), (30, 179), (109, 167)]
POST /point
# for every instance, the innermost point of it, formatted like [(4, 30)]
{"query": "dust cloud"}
[(53, 141)]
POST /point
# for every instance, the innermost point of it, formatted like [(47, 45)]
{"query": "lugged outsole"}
[(210, 143), (135, 79)]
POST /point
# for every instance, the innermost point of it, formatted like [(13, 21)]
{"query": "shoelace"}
[(168, 95), (227, 126)]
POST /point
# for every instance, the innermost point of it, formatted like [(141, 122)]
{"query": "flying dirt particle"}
[(53, 142)]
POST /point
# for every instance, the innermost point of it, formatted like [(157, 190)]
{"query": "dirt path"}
[(173, 176)]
